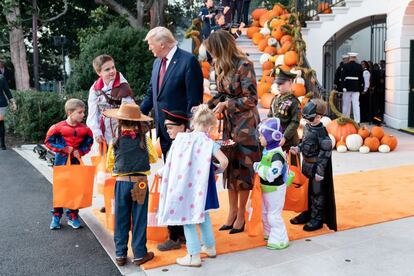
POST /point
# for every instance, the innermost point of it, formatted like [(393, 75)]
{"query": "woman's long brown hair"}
[(222, 46)]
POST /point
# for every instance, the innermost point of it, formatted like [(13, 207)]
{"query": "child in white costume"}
[(273, 171), (188, 188)]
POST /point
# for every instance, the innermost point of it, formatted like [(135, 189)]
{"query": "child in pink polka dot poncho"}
[(188, 186)]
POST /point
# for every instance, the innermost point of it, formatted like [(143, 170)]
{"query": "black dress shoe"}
[(227, 227), (235, 230), (302, 218), (313, 225)]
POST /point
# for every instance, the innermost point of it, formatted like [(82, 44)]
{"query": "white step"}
[(353, 3), (339, 10), (305, 31), (313, 24), (326, 17)]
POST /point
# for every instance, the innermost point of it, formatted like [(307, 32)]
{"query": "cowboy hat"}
[(127, 112)]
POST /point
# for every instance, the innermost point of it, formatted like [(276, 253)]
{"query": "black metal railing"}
[(310, 9)]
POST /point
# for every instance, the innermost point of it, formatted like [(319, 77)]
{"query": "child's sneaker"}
[(190, 260), (55, 224), (73, 220), (277, 246), (210, 251)]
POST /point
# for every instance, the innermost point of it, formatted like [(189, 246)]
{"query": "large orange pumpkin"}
[(266, 100), (285, 47), (270, 50), (372, 142), (251, 31), (263, 18), (285, 16), (262, 44), (298, 90), (363, 132), (277, 33), (256, 38), (291, 58), (263, 88), (277, 23), (285, 38), (257, 13), (389, 140), (378, 132), (338, 130), (278, 9)]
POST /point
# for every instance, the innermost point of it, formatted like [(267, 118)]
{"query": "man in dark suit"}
[(176, 84)]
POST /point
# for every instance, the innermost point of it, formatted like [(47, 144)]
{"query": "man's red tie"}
[(162, 73)]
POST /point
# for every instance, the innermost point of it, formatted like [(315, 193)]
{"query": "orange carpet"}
[(361, 199)]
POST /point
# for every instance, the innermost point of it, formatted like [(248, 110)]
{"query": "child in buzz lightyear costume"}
[(274, 176)]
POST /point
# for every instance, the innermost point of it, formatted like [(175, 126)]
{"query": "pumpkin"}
[(325, 120), (256, 38), (377, 131), (277, 33), (268, 79), (268, 65), (263, 18), (298, 90), (255, 23), (332, 140), (206, 97), (354, 142), (279, 60), (262, 44), (265, 30), (264, 58), (285, 38), (277, 23), (338, 130), (263, 88), (251, 31), (372, 142), (384, 149), (266, 100), (285, 67), (364, 149), (341, 149), (278, 9), (270, 50), (285, 47), (158, 148), (272, 42), (324, 8), (291, 58), (363, 132), (258, 12), (389, 140)]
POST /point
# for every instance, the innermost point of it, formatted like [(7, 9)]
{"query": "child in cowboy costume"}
[(188, 187), (129, 159), (273, 172)]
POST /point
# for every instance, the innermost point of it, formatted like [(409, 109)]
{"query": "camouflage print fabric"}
[(240, 121), (286, 108)]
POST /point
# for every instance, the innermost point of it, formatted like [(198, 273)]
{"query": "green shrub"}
[(37, 111), (126, 46)]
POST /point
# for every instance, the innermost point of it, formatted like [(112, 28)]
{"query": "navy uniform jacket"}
[(181, 89), (352, 78)]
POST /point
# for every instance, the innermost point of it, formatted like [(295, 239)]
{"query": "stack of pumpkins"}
[(367, 140), (276, 33)]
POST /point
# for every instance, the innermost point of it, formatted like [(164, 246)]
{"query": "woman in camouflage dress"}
[(237, 100)]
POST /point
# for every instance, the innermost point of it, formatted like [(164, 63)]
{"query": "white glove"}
[(344, 89), (318, 177)]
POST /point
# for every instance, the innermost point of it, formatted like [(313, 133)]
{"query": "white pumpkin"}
[(325, 120), (280, 60), (364, 149), (333, 140), (341, 149), (263, 58), (274, 89), (354, 142), (273, 42), (265, 31), (384, 148)]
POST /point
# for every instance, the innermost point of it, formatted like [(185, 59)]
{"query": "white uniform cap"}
[(345, 56), (352, 54)]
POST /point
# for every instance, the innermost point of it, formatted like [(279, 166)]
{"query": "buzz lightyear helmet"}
[(271, 130)]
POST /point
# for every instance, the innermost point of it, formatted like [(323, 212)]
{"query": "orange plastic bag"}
[(73, 185), (109, 197), (297, 193), (253, 216), (155, 232), (102, 174)]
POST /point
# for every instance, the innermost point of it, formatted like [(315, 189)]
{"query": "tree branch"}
[(65, 9), (118, 8)]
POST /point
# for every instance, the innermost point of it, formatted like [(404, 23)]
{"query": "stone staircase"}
[(246, 45)]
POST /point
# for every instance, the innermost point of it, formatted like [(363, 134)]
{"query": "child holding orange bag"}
[(69, 138), (129, 159), (273, 172)]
